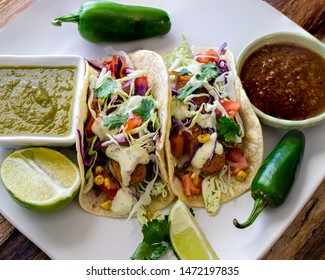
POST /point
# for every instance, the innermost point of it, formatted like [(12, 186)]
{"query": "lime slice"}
[(40, 179), (186, 236)]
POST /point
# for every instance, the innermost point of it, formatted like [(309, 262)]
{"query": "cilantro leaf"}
[(210, 70), (155, 240), (188, 89), (144, 111), (115, 121), (106, 88), (143, 252), (147, 251), (155, 231), (227, 129)]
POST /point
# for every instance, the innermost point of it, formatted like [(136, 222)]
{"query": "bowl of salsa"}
[(40, 99), (283, 75)]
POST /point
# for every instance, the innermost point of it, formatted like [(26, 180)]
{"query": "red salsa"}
[(286, 81)]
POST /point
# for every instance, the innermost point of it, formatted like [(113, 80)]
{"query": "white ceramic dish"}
[(79, 87), (305, 40), (71, 233)]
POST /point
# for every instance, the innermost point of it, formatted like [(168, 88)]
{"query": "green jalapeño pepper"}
[(275, 177), (102, 21)]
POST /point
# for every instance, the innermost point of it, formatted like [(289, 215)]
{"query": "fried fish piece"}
[(137, 176)]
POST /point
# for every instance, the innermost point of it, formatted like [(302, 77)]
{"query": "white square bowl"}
[(80, 88)]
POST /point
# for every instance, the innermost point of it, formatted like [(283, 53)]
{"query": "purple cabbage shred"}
[(221, 48), (141, 89), (93, 65)]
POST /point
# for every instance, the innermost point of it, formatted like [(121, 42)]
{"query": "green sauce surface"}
[(36, 101)]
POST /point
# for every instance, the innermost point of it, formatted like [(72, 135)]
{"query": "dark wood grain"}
[(309, 14), (303, 240)]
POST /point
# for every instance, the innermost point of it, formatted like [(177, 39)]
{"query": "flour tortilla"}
[(252, 146), (159, 82)]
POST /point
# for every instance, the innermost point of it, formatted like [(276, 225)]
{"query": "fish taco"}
[(214, 142), (122, 135)]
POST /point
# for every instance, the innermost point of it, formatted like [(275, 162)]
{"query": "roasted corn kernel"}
[(98, 169), (241, 176), (203, 138), (106, 204), (195, 178), (101, 101), (99, 180), (107, 183)]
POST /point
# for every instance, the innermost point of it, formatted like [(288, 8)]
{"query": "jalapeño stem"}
[(259, 205), (72, 17)]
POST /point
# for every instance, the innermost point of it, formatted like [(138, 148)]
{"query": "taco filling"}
[(122, 134), (210, 156)]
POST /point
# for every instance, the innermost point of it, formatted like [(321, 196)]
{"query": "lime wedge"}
[(186, 236), (40, 179)]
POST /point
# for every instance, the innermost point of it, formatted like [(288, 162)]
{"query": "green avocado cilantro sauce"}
[(36, 100)]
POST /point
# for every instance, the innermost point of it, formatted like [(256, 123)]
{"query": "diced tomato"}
[(117, 66), (90, 124), (236, 160), (110, 192), (231, 108), (113, 185), (208, 55), (189, 187), (133, 122), (177, 142)]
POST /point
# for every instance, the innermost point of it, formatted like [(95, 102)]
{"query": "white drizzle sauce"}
[(204, 153), (128, 157)]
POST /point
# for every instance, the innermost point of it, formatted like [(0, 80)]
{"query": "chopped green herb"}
[(106, 88), (210, 70), (115, 121), (155, 240), (188, 89), (227, 129), (144, 111)]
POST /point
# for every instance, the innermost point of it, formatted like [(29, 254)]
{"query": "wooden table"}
[(304, 239)]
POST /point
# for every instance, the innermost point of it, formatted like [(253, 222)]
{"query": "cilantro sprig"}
[(115, 121), (106, 88), (227, 129), (188, 89), (210, 71), (144, 111), (155, 240)]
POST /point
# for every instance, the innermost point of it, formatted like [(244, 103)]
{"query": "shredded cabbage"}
[(159, 188), (212, 189), (180, 56), (143, 217)]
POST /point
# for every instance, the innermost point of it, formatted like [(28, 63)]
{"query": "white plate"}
[(74, 234)]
